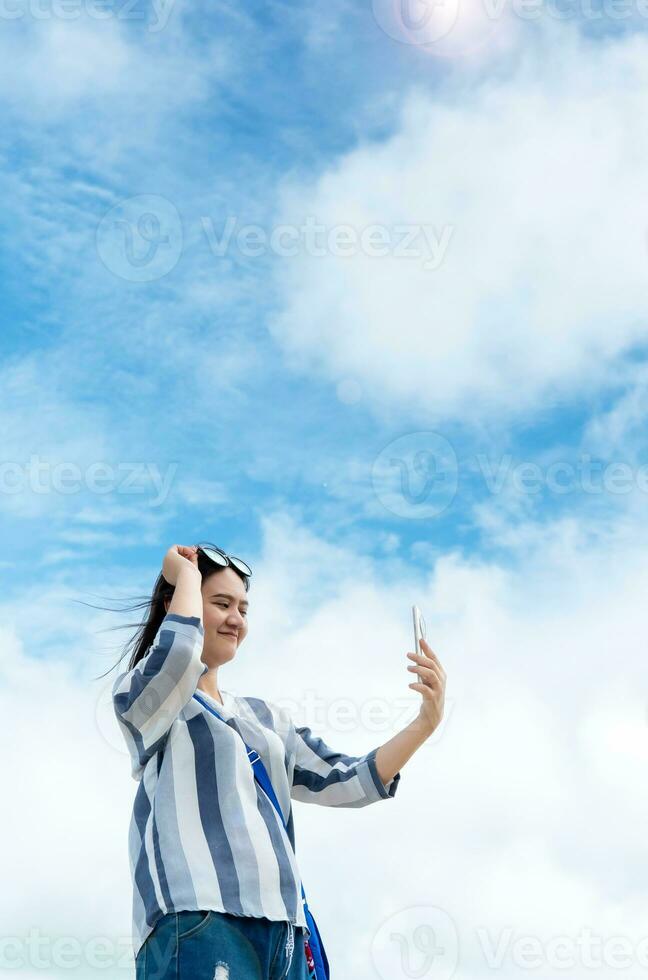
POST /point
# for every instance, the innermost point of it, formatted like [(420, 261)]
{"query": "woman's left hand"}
[(433, 687)]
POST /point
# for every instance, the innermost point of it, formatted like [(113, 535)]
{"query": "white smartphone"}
[(419, 631)]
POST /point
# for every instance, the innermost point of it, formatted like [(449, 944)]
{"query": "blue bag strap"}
[(261, 775)]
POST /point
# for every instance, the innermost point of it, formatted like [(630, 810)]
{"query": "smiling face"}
[(225, 605)]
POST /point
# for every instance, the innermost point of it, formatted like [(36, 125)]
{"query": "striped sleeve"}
[(329, 778), (148, 698)]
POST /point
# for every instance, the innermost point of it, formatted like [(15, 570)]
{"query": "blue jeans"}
[(212, 945)]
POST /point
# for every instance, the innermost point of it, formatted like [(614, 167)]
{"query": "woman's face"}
[(225, 606)]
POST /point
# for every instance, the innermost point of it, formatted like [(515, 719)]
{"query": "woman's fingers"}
[(428, 672), (432, 655), (429, 651), (174, 560), (189, 552), (427, 661)]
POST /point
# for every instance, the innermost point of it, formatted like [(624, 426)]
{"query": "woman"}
[(216, 887)]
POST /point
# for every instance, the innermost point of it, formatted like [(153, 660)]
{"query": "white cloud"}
[(60, 458), (54, 66), (536, 179), (620, 428), (197, 492), (77, 60)]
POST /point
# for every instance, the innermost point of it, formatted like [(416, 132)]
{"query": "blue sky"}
[(222, 366), (458, 421)]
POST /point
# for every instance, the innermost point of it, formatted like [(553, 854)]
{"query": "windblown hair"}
[(154, 605)]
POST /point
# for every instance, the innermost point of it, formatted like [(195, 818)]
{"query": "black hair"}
[(146, 631)]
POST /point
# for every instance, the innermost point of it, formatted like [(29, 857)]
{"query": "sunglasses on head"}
[(220, 558)]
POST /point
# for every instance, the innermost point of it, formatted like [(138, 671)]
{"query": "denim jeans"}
[(212, 945)]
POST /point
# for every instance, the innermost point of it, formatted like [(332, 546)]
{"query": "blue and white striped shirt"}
[(203, 834)]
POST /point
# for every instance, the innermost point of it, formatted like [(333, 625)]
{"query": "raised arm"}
[(148, 698)]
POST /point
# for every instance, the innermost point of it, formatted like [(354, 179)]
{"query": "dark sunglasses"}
[(220, 558)]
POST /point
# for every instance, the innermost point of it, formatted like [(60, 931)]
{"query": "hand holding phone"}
[(419, 631)]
